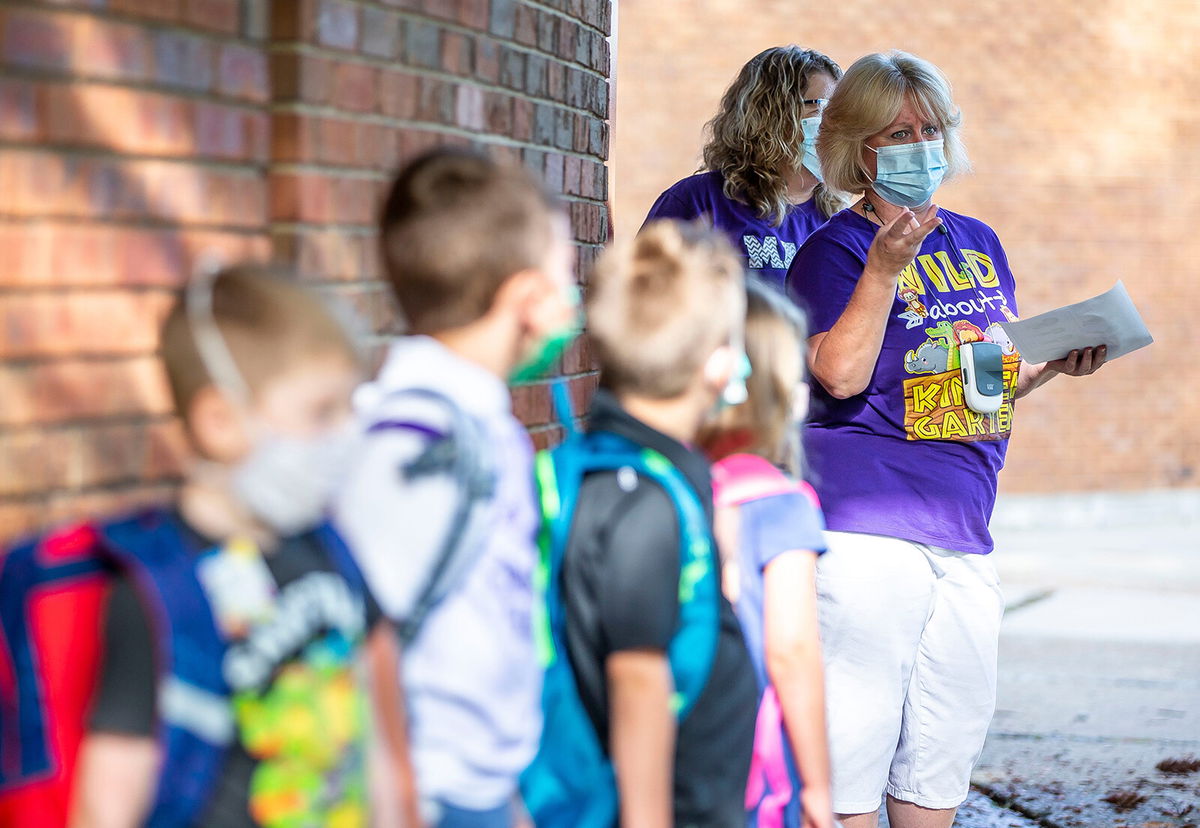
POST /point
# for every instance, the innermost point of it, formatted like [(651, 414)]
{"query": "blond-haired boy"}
[(665, 314), (229, 691)]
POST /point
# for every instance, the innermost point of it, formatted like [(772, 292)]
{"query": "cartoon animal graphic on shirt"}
[(943, 334), (915, 312), (995, 333), (928, 358), (965, 332)]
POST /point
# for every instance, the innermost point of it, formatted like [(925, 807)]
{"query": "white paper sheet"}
[(1108, 319)]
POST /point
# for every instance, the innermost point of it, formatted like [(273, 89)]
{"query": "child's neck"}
[(679, 417), (476, 343), (209, 506)]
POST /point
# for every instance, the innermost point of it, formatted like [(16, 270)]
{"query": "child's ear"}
[(520, 292), (216, 426), (719, 368)]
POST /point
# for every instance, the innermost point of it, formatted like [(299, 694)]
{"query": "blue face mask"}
[(810, 162), (908, 175)]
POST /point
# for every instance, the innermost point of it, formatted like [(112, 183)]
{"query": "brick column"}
[(359, 87), (131, 140), (136, 135)]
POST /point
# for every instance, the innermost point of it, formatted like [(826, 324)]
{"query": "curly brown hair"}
[(756, 137)]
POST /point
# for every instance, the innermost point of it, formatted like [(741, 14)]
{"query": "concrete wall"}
[(136, 135), (1084, 128)]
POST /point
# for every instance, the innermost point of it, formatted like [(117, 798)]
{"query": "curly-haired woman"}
[(761, 183)]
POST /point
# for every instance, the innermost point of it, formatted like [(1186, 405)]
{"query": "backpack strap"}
[(739, 478), (42, 708), (460, 452), (692, 650), (196, 718)]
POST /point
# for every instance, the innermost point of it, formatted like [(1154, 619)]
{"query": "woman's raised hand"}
[(897, 242)]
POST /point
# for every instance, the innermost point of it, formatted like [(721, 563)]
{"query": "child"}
[(440, 507), (770, 533), (227, 690), (665, 313)]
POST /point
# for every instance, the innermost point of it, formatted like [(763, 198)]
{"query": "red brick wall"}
[(138, 135), (1082, 122)]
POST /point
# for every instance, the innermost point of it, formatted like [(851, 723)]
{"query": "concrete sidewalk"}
[(1099, 676), (1099, 669)]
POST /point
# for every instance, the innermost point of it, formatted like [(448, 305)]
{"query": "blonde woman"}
[(905, 459), (770, 531), (762, 182)]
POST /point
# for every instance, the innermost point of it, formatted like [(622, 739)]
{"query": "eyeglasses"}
[(817, 102)]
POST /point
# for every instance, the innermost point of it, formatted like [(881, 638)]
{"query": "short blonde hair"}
[(756, 138), (660, 304), (776, 332), (268, 324), (867, 99)]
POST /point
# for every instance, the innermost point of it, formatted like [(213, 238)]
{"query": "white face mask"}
[(285, 481)]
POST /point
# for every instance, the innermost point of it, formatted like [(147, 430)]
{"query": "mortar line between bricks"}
[(114, 486), (105, 14), (309, 50), (291, 44), (368, 231), (540, 6), (375, 119), (366, 174), (106, 422), (36, 289), (83, 357), (60, 149), (148, 223), (69, 77), (137, 223)]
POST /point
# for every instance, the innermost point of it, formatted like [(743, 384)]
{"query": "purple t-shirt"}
[(906, 458), (768, 249)]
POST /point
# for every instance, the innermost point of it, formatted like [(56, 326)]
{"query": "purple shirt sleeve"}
[(781, 523), (821, 280), (671, 206)]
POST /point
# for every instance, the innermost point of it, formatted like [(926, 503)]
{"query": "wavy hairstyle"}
[(868, 98), (756, 138)]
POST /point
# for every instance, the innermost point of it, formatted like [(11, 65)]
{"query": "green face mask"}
[(541, 361)]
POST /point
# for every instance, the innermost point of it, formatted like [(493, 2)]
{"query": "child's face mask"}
[(735, 391), (546, 352), (290, 473), (562, 311), (286, 481)]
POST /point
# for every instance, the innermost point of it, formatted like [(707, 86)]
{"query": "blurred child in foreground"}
[(440, 506), (233, 626), (770, 531)]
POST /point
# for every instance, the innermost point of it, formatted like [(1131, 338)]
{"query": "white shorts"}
[(910, 635)]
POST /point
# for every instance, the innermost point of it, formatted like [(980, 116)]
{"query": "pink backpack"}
[(737, 479)]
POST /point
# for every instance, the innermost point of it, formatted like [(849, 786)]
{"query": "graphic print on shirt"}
[(298, 706), (934, 405), (764, 251)]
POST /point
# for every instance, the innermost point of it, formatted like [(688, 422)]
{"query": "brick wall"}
[(1082, 123), (139, 135)]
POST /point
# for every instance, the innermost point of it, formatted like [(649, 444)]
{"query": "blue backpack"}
[(570, 783), (52, 593)]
